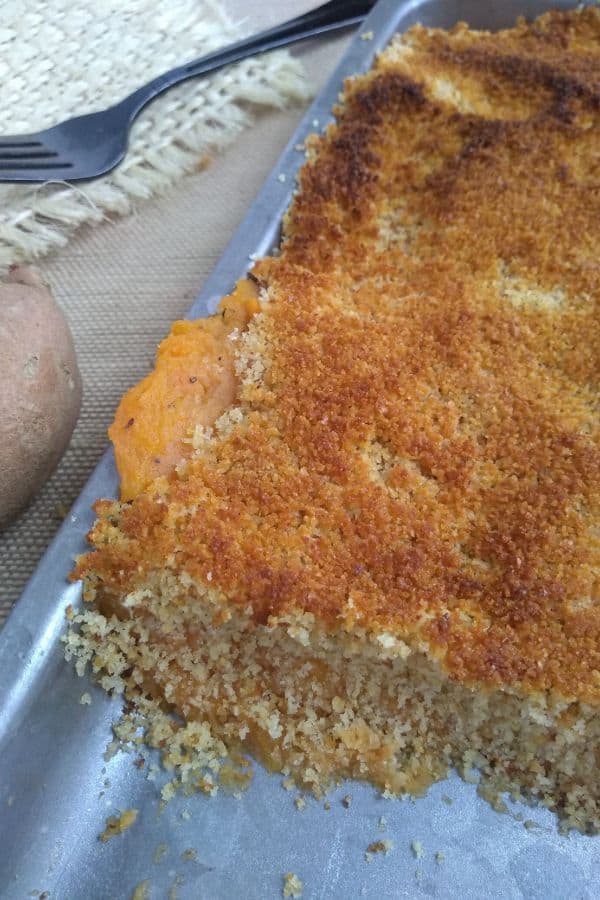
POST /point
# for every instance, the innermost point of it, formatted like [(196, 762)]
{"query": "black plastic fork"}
[(87, 146)]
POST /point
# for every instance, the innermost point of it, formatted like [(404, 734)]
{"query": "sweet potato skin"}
[(40, 395)]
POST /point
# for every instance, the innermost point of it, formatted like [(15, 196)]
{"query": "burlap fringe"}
[(174, 136)]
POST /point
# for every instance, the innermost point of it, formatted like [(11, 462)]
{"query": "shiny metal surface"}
[(56, 790)]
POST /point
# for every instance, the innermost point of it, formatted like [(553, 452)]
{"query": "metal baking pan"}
[(56, 789)]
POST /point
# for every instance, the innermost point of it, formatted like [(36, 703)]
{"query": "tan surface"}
[(122, 284)]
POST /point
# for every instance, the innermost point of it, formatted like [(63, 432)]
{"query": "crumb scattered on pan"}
[(378, 847), (447, 800), (292, 886), (382, 824), (86, 699), (530, 825), (237, 776), (492, 795), (299, 148), (186, 815), (142, 891), (168, 791), (189, 855), (471, 776), (289, 784), (140, 762), (418, 874), (327, 806), (347, 801), (366, 36), (112, 748), (159, 852), (417, 849), (300, 803), (439, 857), (118, 824), (173, 893), (281, 177)]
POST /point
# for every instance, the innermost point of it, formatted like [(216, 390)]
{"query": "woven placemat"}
[(122, 284), (64, 57)]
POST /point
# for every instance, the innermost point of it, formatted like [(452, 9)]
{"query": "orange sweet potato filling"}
[(193, 383)]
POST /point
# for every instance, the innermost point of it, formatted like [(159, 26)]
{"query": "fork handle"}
[(332, 15)]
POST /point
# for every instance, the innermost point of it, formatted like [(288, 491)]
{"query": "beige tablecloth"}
[(122, 283)]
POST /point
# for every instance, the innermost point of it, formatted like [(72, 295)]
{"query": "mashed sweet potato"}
[(192, 384)]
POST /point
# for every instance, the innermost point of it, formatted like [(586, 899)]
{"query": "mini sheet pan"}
[(56, 789)]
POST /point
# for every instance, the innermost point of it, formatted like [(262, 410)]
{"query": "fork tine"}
[(5, 142), (28, 170), (20, 141), (25, 154), (30, 174), (30, 156)]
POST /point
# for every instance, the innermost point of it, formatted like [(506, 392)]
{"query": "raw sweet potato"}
[(40, 393)]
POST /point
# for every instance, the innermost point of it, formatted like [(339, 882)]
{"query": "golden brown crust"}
[(420, 453)]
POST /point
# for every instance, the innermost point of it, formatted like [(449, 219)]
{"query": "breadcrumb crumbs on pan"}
[(417, 849), (116, 825), (347, 801), (112, 748), (439, 857), (189, 855), (292, 886), (142, 891), (300, 803), (382, 823), (159, 852), (173, 893), (493, 797), (384, 846)]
